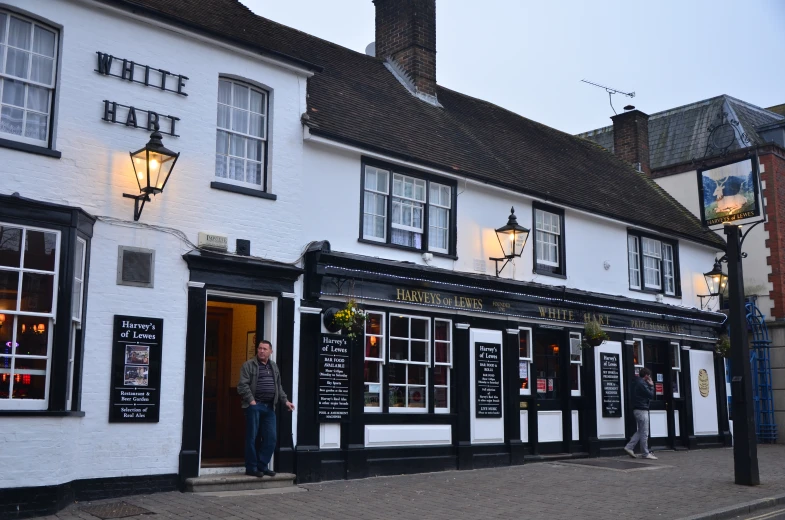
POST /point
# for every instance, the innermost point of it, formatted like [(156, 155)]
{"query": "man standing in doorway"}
[(642, 393), (260, 388)]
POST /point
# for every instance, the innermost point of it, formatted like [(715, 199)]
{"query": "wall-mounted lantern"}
[(716, 281), (512, 239), (153, 165)]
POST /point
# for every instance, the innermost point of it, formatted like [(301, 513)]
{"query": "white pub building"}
[(184, 179)]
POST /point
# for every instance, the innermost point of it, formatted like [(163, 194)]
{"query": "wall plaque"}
[(135, 395), (610, 383), (488, 380), (332, 390)]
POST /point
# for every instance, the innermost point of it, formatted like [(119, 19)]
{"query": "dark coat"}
[(248, 375), (642, 393)]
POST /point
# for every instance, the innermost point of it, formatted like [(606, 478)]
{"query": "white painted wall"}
[(684, 188), (94, 171), (334, 174)]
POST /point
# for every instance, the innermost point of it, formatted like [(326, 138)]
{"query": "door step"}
[(237, 482)]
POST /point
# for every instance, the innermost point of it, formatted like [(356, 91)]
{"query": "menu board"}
[(332, 394), (135, 394), (488, 376), (610, 382)]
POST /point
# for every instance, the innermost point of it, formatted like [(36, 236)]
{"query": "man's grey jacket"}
[(249, 374)]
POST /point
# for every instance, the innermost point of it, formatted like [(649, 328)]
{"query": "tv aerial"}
[(611, 92)]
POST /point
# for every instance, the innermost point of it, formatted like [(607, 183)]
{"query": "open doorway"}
[(232, 330)]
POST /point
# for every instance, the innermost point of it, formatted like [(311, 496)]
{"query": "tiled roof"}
[(681, 134), (777, 109), (355, 99)]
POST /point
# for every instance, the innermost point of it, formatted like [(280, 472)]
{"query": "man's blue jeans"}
[(260, 436)]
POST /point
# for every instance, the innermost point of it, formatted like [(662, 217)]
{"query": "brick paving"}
[(686, 483)]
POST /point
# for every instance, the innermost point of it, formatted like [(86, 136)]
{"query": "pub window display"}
[(676, 366), (524, 360), (407, 211), (576, 361), (658, 360), (547, 350), (29, 259), (28, 78), (415, 357)]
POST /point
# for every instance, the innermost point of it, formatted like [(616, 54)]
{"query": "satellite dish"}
[(370, 50)]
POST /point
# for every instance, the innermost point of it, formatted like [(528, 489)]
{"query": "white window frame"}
[(410, 203), (676, 368), (27, 82), (32, 404), (442, 206), (578, 338), (633, 259), (381, 338), (642, 361), (263, 140), (77, 302), (525, 359), (375, 191), (668, 259), (541, 233), (656, 255), (426, 363), (449, 342)]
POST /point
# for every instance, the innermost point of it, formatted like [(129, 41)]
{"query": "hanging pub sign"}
[(488, 379), (332, 389), (730, 193), (135, 395), (610, 384)]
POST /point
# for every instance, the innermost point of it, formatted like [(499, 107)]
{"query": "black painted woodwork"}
[(194, 379), (284, 452)]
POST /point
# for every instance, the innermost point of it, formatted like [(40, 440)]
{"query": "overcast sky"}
[(530, 56)]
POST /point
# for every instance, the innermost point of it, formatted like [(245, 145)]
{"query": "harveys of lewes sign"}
[(478, 301), (730, 193)]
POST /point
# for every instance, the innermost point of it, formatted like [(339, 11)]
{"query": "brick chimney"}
[(631, 139), (406, 33)]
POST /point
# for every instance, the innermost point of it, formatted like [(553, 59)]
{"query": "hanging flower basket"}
[(350, 319), (593, 335), (722, 348)]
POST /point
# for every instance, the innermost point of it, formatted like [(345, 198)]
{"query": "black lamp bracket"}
[(143, 197), (506, 260)]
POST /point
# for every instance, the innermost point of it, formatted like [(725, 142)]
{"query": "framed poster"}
[(333, 382), (730, 193), (250, 345), (488, 380), (610, 384), (135, 394)]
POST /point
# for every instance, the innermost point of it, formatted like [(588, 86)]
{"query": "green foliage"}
[(350, 319), (723, 346), (593, 334)]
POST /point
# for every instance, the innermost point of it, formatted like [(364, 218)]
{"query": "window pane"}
[(523, 344), (40, 249), (237, 169), (574, 377), (220, 166), (239, 120), (416, 375), (239, 96), (373, 323), (223, 116), (419, 351), (11, 120), (399, 349), (396, 396), (16, 63), (19, 33), (442, 330), (440, 375), (224, 92), (372, 344), (382, 181), (3, 21), (42, 69), (373, 395), (35, 128), (257, 102), (253, 172), (416, 397), (442, 352), (254, 150), (13, 93), (237, 146), (440, 398), (256, 125), (420, 329), (10, 246), (38, 99), (32, 336), (399, 326), (9, 287), (372, 372), (43, 41), (6, 331), (222, 142), (397, 373), (28, 386), (37, 292)]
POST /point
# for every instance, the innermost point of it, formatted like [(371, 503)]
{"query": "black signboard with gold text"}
[(135, 394), (610, 384), (488, 378), (332, 390)]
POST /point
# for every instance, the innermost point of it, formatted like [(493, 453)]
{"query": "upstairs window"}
[(407, 211), (653, 264), (28, 61), (549, 256), (241, 142)]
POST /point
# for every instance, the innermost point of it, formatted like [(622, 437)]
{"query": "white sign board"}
[(704, 392)]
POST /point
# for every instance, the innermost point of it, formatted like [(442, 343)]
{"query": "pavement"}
[(685, 484)]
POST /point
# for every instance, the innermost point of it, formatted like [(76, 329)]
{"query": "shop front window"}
[(546, 363), (576, 361), (524, 360), (374, 359), (658, 361), (676, 366), (637, 354), (410, 345), (442, 361)]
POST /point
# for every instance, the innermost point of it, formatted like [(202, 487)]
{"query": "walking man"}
[(642, 392), (260, 388)]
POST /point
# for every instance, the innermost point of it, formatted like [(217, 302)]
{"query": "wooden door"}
[(216, 413)]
